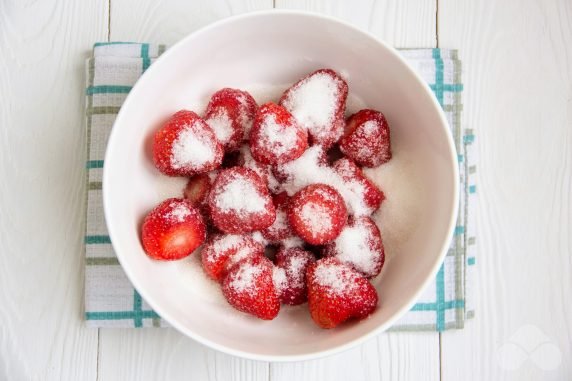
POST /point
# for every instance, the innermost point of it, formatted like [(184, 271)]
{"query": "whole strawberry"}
[(249, 288), (185, 146), (317, 213), (336, 293), (366, 139), (172, 230), (239, 201)]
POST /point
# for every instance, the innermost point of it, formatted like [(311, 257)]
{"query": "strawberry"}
[(198, 187), (280, 228), (185, 146), (359, 245), (290, 274), (223, 251), (366, 139), (230, 113), (239, 201), (317, 213), (246, 160), (356, 181), (336, 293), (276, 137), (318, 102), (172, 230), (249, 288)]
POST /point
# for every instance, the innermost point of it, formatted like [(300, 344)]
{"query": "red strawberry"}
[(360, 246), (239, 201), (317, 213), (249, 288), (276, 137), (366, 139), (230, 113), (336, 293), (246, 160), (172, 230), (280, 228), (290, 274), (223, 251), (318, 102), (357, 182), (186, 146), (198, 187)]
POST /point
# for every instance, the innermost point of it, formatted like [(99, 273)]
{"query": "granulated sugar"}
[(240, 196), (279, 278), (258, 237), (179, 212), (313, 102), (353, 247), (277, 138), (295, 270), (221, 125), (223, 244), (291, 242), (243, 116), (307, 169), (261, 170), (239, 255), (316, 217), (400, 212), (334, 277), (191, 149), (244, 279)]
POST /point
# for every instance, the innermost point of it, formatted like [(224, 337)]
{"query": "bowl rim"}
[(106, 194)]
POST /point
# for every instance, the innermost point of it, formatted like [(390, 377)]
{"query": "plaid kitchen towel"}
[(111, 300)]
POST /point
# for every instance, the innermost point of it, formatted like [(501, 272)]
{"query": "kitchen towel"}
[(111, 300)]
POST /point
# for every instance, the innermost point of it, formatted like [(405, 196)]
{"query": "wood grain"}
[(42, 154), (403, 24), (394, 356), (517, 57), (165, 354), (166, 22)]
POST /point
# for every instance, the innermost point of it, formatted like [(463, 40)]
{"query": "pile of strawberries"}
[(277, 198)]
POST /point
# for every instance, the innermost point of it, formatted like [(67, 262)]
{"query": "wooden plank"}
[(165, 353), (42, 156), (395, 356), (403, 24), (517, 59), (167, 22)]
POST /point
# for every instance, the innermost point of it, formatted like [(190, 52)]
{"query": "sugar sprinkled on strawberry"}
[(360, 246), (263, 170), (239, 201), (294, 263), (223, 251), (185, 145), (249, 287), (318, 102), (366, 139), (172, 230), (336, 293), (276, 137), (311, 168), (317, 214), (356, 182), (230, 113)]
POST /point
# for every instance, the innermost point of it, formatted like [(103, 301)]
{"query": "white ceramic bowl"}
[(279, 48)]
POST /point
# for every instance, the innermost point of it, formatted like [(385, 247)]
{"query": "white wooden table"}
[(517, 57)]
